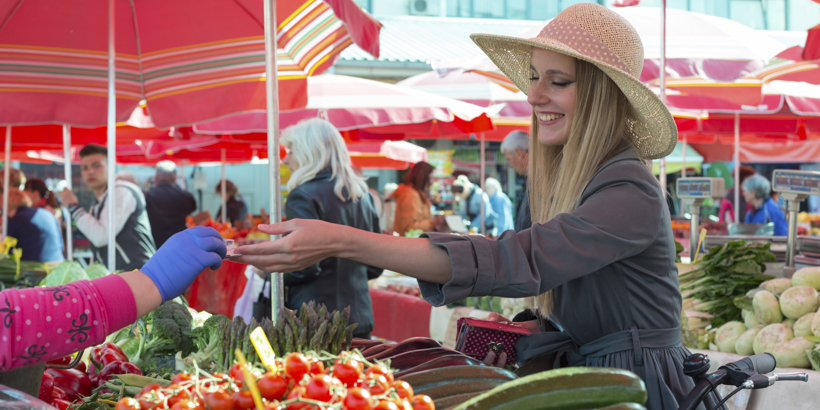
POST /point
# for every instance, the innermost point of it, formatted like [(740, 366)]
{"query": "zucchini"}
[(622, 406), (429, 379), (460, 387), (450, 402), (568, 388)]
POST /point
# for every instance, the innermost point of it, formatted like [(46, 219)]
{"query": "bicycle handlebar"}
[(761, 363)]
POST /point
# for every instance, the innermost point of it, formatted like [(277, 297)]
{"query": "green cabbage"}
[(96, 270), (797, 301), (777, 286), (807, 277), (744, 344), (803, 325), (65, 272), (771, 336), (793, 353), (814, 357), (727, 335), (767, 310), (815, 325)]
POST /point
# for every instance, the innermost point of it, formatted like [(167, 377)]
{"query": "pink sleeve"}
[(41, 324)]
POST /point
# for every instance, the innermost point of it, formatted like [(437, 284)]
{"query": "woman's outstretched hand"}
[(308, 242)]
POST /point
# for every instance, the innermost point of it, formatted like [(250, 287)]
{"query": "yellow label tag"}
[(262, 346), (701, 237), (249, 380)]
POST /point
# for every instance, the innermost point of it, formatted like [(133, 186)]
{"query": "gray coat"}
[(611, 264)]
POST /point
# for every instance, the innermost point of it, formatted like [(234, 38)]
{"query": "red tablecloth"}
[(399, 316), (216, 291)]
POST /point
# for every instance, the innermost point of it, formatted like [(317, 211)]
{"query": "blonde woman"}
[(323, 186), (599, 257)]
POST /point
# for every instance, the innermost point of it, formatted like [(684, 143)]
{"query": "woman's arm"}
[(310, 241)]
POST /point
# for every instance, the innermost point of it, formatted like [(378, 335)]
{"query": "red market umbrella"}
[(359, 106), (191, 61)]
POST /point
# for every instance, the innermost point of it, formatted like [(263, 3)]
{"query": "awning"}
[(674, 161)]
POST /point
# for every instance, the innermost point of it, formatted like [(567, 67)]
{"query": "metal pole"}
[(6, 172), (793, 208), (277, 290), (69, 237), (223, 190), (737, 167), (112, 141), (662, 162), (694, 234), (683, 159), (182, 182), (482, 162)]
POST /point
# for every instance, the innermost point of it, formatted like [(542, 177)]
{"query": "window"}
[(493, 9), (517, 9), (365, 4), (802, 14), (747, 12)]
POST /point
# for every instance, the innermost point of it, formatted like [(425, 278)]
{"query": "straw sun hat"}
[(596, 34)]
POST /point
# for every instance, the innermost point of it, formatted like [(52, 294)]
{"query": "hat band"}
[(584, 43)]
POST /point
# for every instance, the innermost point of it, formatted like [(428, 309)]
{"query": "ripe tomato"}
[(187, 405), (243, 400), (236, 372), (347, 373), (378, 385), (60, 404), (181, 377), (403, 389), (272, 386), (218, 400), (316, 367), (177, 394), (296, 366), (127, 403), (422, 402), (149, 388), (379, 369), (151, 400), (298, 391), (272, 405), (387, 405), (318, 388), (358, 399)]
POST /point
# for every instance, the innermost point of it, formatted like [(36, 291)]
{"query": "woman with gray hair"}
[(324, 186), (756, 190)]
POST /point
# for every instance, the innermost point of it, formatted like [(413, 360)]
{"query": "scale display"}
[(701, 188), (798, 182)]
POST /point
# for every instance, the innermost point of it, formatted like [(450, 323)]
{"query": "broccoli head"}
[(172, 321), (161, 364)]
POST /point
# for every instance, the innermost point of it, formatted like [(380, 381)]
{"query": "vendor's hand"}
[(308, 242), (182, 257), (490, 360), (67, 197)]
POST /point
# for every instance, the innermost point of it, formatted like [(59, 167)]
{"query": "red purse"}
[(477, 337)]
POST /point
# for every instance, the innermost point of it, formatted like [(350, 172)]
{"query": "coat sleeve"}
[(41, 324), (372, 271), (301, 206), (409, 214), (619, 217), (96, 230)]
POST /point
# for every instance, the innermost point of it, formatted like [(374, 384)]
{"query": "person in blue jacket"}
[(756, 191), (502, 206), (36, 230)]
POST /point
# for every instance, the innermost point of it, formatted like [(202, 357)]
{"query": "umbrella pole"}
[(683, 159), (662, 162), (6, 171), (69, 240), (223, 188), (272, 104), (112, 141), (481, 162), (737, 167)]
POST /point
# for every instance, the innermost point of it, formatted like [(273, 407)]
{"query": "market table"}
[(216, 291)]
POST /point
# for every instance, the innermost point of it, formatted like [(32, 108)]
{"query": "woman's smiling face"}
[(552, 94)]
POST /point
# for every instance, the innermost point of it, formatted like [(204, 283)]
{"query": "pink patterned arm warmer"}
[(42, 324)]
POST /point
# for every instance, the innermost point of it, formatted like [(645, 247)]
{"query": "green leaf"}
[(141, 381), (66, 272), (96, 270)]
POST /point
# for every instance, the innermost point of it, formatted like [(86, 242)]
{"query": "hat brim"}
[(652, 130)]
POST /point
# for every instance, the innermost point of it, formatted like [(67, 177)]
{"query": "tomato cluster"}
[(299, 382)]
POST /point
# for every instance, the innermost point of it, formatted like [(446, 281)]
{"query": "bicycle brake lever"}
[(760, 381)]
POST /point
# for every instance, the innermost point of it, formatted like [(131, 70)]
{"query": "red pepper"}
[(46, 388), (106, 353), (117, 368), (63, 360), (58, 393), (60, 404), (80, 366), (75, 383)]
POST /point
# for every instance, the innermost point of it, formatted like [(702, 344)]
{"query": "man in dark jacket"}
[(516, 149), (167, 204)]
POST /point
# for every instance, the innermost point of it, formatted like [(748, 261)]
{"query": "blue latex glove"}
[(182, 258)]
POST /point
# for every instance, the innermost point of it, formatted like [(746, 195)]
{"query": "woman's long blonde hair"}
[(559, 174)]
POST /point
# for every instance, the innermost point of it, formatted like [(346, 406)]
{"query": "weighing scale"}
[(794, 187), (693, 191)]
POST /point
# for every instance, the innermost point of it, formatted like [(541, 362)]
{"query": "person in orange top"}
[(413, 203)]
